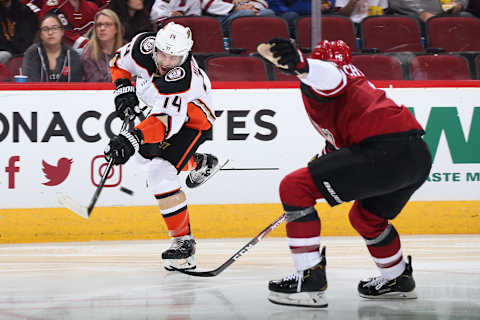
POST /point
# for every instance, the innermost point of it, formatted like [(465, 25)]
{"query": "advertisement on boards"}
[(52, 142)]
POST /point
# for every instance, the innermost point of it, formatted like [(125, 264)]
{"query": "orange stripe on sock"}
[(179, 224)]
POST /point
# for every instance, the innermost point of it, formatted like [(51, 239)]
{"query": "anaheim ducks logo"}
[(146, 47), (175, 74)]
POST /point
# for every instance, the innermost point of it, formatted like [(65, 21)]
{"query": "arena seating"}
[(248, 32), (453, 33), (236, 68), (379, 67), (439, 67), (391, 33)]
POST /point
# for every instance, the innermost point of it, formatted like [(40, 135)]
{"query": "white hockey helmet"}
[(173, 39)]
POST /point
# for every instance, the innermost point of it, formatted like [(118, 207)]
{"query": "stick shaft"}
[(104, 177), (237, 254)]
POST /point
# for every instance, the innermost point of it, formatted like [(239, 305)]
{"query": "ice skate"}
[(303, 288), (207, 166), (181, 254), (402, 287)]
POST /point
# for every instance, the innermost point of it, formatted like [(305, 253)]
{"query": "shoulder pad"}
[(142, 51), (177, 80)]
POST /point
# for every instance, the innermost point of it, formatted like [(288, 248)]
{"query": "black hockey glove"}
[(288, 55), (122, 147), (126, 101)]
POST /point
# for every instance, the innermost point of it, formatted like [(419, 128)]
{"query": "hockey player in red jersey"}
[(374, 156), (180, 95)]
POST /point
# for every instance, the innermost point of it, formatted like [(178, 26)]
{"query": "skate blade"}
[(301, 299), (182, 264), (392, 295)]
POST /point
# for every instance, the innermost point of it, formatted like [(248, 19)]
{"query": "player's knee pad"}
[(367, 224), (162, 177), (296, 189)]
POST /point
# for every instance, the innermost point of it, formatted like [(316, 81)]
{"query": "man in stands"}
[(180, 95), (374, 156), (425, 9)]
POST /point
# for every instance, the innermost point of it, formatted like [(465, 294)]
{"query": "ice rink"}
[(126, 280)]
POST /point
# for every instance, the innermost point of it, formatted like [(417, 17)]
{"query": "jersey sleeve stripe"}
[(208, 112), (335, 91)]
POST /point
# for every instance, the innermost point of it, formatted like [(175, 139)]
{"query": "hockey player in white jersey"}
[(179, 92)]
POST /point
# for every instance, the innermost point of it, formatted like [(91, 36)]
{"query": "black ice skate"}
[(303, 289), (181, 254), (207, 166), (402, 287)]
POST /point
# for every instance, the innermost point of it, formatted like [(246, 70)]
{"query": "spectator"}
[(51, 60), (357, 10), (225, 12), (106, 38), (162, 10), (474, 7), (18, 25), (290, 10), (77, 18), (425, 9), (133, 15)]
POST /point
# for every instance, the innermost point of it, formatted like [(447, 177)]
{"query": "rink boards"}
[(52, 141)]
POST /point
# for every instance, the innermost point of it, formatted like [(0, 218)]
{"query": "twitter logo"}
[(56, 174)]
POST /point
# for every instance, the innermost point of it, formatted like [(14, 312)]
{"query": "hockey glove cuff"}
[(122, 147), (126, 101)]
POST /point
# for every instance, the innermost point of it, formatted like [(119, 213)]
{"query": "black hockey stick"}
[(76, 207), (237, 255)]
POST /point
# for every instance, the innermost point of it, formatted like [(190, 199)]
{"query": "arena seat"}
[(14, 65), (453, 33), (439, 67), (236, 68), (391, 33), (4, 73), (206, 32), (248, 32), (333, 28), (379, 67)]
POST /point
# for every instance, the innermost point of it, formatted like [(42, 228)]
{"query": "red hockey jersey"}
[(346, 108)]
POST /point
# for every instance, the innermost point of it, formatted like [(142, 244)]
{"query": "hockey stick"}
[(76, 207), (237, 255)]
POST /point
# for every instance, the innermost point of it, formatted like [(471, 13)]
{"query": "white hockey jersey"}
[(184, 93)]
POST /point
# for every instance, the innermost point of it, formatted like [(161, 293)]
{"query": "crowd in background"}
[(73, 40)]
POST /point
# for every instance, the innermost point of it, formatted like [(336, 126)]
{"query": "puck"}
[(127, 191)]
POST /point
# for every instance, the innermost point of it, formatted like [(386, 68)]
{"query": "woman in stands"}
[(50, 60), (106, 38), (133, 15)]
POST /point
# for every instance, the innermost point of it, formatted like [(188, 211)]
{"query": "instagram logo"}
[(98, 167)]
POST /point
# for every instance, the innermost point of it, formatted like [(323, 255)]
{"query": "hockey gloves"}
[(122, 147), (126, 101), (289, 56)]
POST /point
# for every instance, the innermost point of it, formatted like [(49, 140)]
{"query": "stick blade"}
[(72, 205), (264, 50), (212, 273)]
